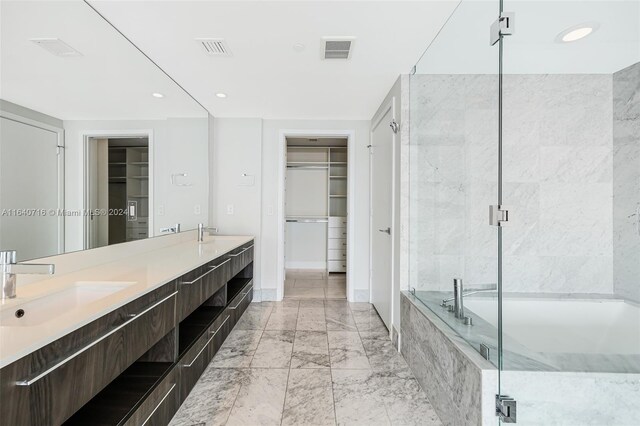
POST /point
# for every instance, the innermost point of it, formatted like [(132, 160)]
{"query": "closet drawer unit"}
[(337, 266), (137, 232), (337, 222), (162, 403), (240, 258), (337, 255), (241, 302), (337, 244), (197, 358), (337, 232), (49, 385)]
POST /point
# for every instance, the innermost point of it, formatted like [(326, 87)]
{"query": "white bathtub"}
[(608, 326)]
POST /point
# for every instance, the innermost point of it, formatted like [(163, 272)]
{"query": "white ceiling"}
[(266, 77), (463, 46), (112, 80)]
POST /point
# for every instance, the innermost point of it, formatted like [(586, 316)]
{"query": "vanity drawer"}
[(49, 385), (162, 403), (197, 286), (197, 358), (241, 257), (337, 232), (337, 255), (241, 302), (337, 265), (337, 243)]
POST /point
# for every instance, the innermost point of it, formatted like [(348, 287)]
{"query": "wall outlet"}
[(160, 210), (269, 210), (196, 209), (229, 208)]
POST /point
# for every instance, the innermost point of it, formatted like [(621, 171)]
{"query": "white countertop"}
[(149, 270)]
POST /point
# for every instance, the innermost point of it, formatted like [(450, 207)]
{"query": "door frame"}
[(395, 233), (280, 214), (61, 164), (114, 134)]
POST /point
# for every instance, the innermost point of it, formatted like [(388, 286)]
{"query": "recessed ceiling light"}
[(221, 95), (157, 95), (298, 47), (577, 32)]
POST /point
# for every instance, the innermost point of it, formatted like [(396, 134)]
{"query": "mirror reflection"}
[(86, 125)]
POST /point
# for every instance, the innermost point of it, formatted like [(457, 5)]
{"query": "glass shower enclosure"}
[(525, 195)]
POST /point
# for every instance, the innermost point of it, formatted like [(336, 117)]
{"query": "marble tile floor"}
[(307, 362), (314, 284)]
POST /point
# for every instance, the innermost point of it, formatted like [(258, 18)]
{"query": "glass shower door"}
[(570, 308), (454, 176)]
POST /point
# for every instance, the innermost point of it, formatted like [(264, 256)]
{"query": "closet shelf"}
[(139, 177), (337, 196), (337, 177)]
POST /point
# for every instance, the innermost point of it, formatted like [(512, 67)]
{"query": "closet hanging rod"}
[(308, 220)]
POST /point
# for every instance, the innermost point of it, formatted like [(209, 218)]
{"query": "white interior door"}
[(381, 216), (29, 190)]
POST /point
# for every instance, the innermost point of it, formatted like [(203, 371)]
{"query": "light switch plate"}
[(160, 210), (196, 209)]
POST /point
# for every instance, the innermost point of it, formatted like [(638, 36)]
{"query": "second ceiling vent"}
[(337, 47), (214, 46)]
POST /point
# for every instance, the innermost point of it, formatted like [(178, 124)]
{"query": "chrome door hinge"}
[(394, 126), (504, 25), (498, 215), (506, 408)]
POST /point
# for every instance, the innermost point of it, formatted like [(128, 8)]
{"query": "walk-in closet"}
[(316, 217)]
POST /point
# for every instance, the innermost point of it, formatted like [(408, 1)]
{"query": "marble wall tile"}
[(558, 170), (626, 182), (309, 399), (346, 350), (274, 349), (260, 398), (456, 380), (310, 350), (598, 399)]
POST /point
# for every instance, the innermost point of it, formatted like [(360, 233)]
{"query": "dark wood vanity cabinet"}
[(201, 284), (136, 364), (50, 384)]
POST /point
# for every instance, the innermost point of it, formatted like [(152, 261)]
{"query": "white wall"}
[(270, 175), (251, 145), (236, 151), (180, 145)]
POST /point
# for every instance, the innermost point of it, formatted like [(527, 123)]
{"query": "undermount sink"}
[(33, 312)]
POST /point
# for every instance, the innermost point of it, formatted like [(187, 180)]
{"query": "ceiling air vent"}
[(57, 47), (214, 46), (337, 47)]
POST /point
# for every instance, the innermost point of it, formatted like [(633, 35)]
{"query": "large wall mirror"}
[(97, 145)]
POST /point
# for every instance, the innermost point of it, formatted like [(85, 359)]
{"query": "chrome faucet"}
[(10, 268), (458, 298), (202, 229), (173, 229)]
